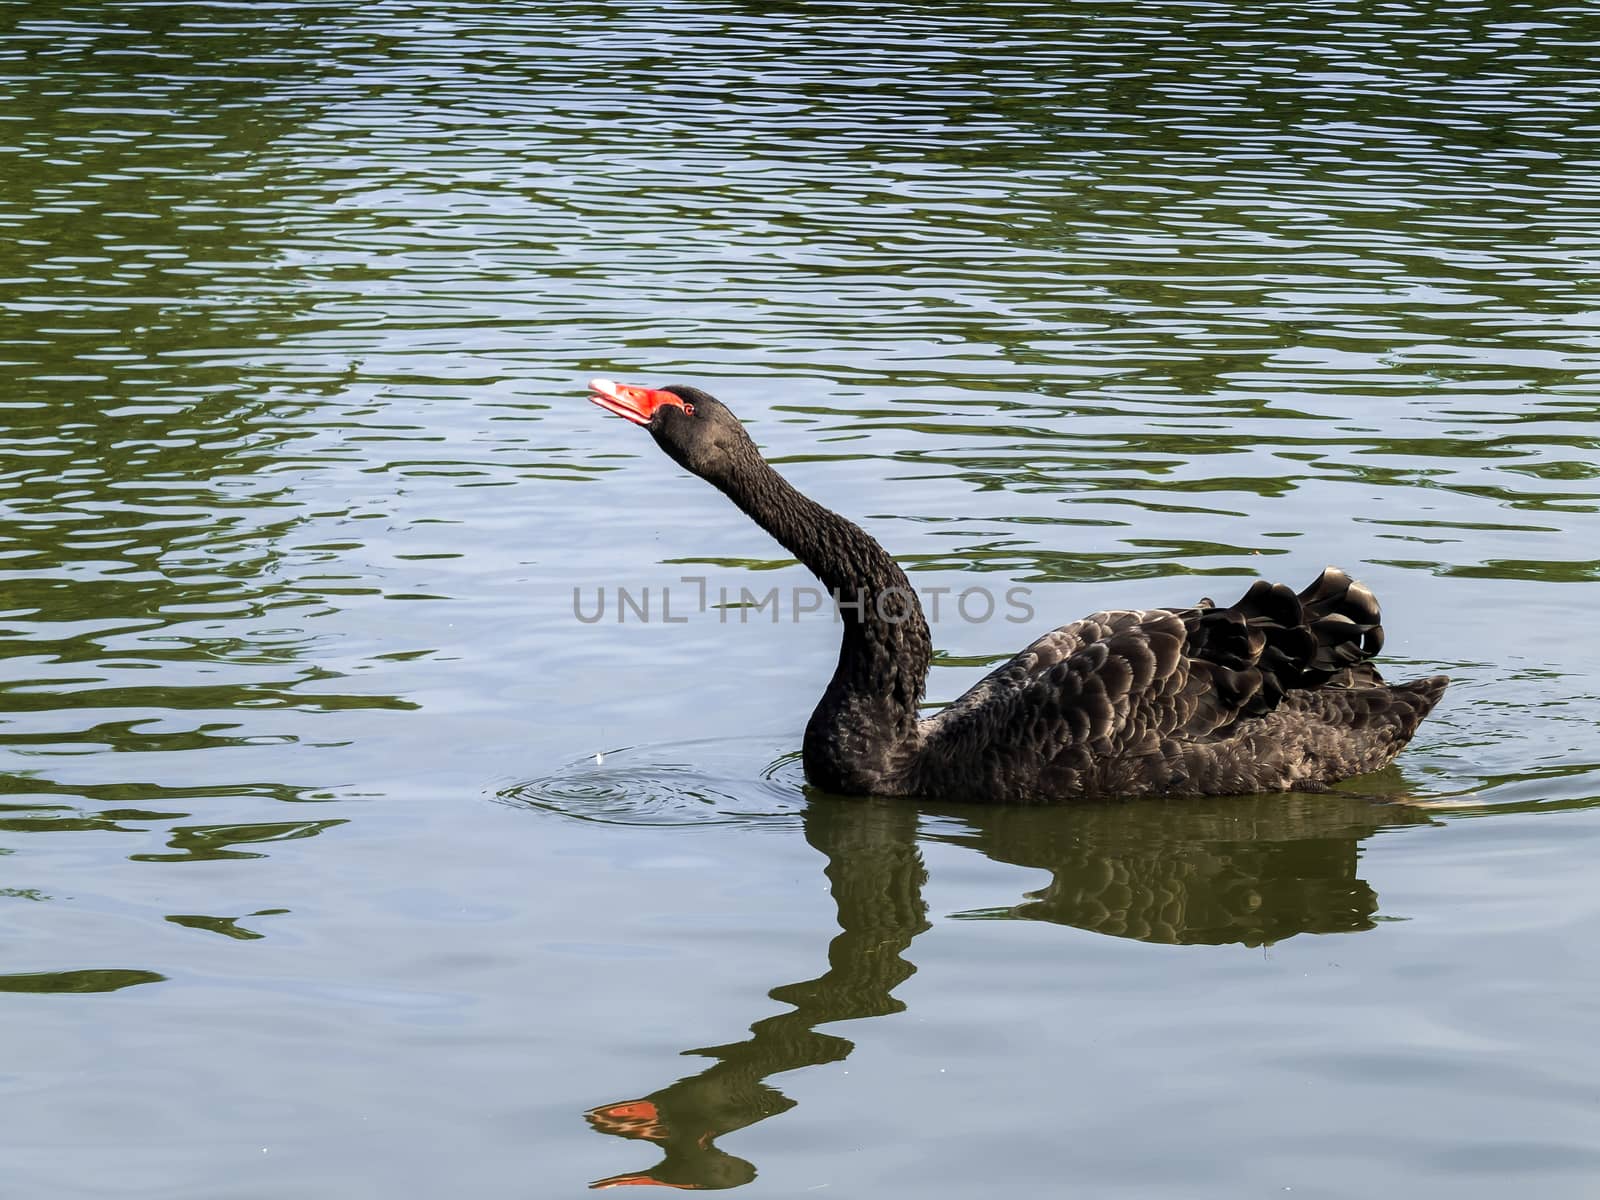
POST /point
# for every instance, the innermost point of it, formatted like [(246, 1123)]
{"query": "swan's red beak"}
[(636, 404)]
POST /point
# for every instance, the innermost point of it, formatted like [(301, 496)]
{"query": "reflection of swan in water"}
[(1248, 871)]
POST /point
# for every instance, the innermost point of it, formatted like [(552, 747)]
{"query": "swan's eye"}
[(688, 408)]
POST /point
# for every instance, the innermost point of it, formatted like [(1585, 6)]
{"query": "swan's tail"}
[(1412, 701), (1344, 621)]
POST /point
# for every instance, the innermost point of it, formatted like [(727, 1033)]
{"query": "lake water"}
[(341, 858)]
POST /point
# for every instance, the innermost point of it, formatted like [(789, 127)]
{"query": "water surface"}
[(340, 856)]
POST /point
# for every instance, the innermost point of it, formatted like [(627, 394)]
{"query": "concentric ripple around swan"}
[(718, 781)]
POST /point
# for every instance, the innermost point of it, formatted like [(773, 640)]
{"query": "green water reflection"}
[(109, 979)]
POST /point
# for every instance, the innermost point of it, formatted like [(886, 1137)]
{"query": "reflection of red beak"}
[(633, 1119), (643, 1179), (636, 404), (629, 1119)]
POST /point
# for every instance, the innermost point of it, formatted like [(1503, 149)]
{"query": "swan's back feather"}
[(1270, 693)]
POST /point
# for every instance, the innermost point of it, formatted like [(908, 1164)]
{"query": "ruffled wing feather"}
[(1123, 700)]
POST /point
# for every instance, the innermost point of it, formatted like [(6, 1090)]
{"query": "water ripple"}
[(696, 783)]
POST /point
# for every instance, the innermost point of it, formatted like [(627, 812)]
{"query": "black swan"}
[(1274, 693)]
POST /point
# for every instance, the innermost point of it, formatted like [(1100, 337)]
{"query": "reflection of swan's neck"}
[(875, 874), (866, 721)]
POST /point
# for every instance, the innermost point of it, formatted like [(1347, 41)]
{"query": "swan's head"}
[(694, 428)]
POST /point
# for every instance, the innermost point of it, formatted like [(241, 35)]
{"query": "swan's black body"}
[(1272, 693)]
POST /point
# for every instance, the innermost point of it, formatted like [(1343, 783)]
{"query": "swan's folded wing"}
[(1040, 657), (1124, 686), (1120, 686), (1118, 696)]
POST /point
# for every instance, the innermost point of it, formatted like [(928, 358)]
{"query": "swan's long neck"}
[(864, 728)]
